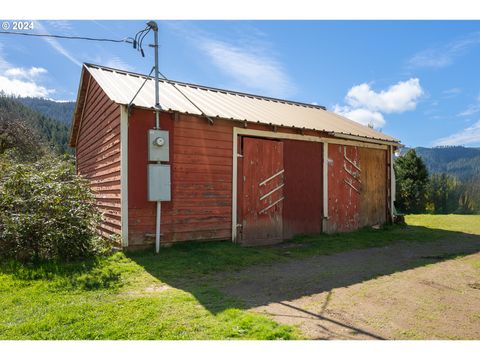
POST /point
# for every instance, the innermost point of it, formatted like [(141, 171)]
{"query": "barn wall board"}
[(373, 200), (343, 188), (302, 212), (98, 155)]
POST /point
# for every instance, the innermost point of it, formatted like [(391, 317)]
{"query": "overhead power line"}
[(126, 40), (137, 44)]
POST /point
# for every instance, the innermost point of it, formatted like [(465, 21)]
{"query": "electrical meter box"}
[(158, 145), (159, 182)]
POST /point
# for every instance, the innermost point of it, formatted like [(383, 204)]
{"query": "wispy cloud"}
[(117, 63), (367, 106), (472, 108), (451, 93), (251, 68), (64, 26), (444, 55), (469, 135), (249, 62), (56, 45)]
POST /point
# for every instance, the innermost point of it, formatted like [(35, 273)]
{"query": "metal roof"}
[(121, 87)]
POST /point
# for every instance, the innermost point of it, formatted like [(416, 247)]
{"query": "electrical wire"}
[(140, 88), (126, 40), (186, 97), (137, 42)]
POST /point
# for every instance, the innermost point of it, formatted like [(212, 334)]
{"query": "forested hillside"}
[(15, 115), (453, 184), (61, 111), (458, 161)]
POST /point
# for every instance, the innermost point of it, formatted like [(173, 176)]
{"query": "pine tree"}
[(412, 180)]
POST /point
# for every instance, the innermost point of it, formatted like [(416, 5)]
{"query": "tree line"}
[(417, 191)]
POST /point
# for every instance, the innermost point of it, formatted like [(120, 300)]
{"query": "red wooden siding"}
[(201, 163), (302, 212), (98, 155), (357, 196), (343, 199), (263, 191)]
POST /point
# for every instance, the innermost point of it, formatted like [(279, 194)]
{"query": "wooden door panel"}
[(263, 191)]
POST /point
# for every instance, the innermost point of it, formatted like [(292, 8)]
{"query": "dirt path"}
[(407, 290)]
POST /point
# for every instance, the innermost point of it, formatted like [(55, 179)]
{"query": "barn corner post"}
[(392, 184), (124, 174), (234, 184)]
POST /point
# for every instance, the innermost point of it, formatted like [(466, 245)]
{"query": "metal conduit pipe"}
[(153, 25)]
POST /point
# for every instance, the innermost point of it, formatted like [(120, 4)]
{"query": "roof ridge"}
[(210, 88)]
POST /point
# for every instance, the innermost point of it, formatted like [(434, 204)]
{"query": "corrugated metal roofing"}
[(121, 86)]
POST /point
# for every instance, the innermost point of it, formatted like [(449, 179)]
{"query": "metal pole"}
[(153, 25)]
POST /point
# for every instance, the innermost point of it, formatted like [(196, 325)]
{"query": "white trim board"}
[(124, 173), (281, 135)]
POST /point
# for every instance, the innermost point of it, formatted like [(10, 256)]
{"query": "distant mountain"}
[(61, 111), (52, 132), (459, 161)]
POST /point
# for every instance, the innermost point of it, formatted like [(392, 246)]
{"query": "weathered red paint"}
[(343, 197), (262, 183), (201, 180), (303, 205), (201, 163), (98, 154)]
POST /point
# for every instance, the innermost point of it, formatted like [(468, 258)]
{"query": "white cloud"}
[(469, 135), (23, 88), (396, 99), (25, 73), (362, 116), (21, 81), (250, 67), (367, 106), (442, 56)]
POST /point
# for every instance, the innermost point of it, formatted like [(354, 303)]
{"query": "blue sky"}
[(418, 81)]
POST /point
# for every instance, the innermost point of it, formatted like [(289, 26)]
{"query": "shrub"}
[(46, 211)]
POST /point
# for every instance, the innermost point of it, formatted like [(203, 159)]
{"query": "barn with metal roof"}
[(225, 165)]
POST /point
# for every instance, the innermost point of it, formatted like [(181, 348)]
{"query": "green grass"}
[(85, 301), (144, 296), (469, 224)]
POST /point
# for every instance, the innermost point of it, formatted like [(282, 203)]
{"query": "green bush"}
[(46, 211)]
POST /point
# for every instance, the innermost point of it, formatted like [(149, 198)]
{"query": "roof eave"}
[(78, 107), (393, 142)]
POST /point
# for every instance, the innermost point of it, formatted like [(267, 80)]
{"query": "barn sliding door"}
[(263, 191)]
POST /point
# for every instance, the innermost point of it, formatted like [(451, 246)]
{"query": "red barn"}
[(240, 167)]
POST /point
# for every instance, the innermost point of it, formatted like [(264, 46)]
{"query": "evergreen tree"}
[(412, 180)]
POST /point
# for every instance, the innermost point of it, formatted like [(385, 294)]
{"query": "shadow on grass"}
[(224, 275)]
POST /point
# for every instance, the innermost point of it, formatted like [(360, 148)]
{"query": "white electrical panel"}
[(159, 182), (158, 145)]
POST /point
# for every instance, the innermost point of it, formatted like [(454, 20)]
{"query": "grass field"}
[(144, 296)]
